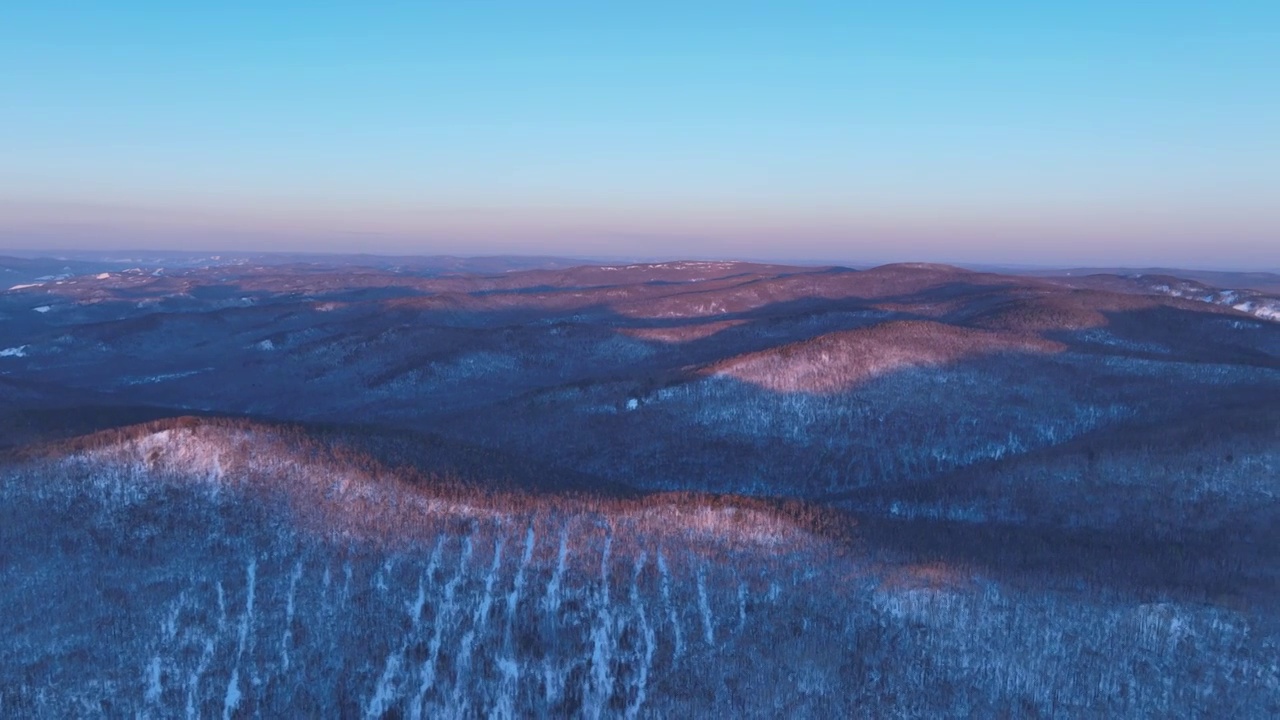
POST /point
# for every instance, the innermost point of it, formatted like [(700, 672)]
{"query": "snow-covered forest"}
[(693, 489)]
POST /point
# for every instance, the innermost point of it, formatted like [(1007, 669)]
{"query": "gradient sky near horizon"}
[(1091, 132)]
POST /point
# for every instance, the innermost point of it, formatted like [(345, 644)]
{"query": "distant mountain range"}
[(1262, 281)]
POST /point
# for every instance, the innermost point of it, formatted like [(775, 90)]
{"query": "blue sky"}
[(1086, 132)]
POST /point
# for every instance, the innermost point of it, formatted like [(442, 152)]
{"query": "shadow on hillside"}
[(1236, 567), (1180, 508)]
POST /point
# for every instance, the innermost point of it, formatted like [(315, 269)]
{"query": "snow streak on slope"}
[(593, 652)]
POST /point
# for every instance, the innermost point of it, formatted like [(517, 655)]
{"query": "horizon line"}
[(586, 260)]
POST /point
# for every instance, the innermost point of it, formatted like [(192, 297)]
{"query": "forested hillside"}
[(388, 489)]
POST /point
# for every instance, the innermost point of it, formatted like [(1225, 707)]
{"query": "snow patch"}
[(1259, 306), (25, 286), (288, 614), (704, 608), (42, 309), (665, 588), (154, 685), (231, 700), (384, 693), (103, 276), (15, 351), (163, 377)]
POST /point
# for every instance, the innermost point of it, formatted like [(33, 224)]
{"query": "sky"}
[(1090, 132)]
